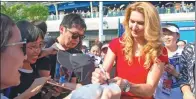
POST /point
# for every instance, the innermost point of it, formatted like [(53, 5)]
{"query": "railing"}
[(121, 13)]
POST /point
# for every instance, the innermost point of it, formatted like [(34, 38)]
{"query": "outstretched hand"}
[(37, 85)]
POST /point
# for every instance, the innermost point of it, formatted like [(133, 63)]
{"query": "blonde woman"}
[(139, 54)]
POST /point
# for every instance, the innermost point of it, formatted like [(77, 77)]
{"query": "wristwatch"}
[(127, 85)]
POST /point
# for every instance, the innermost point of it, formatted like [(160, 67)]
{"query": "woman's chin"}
[(33, 61), (17, 83)]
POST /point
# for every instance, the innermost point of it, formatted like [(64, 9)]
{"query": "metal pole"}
[(91, 4), (118, 27), (100, 20), (55, 5)]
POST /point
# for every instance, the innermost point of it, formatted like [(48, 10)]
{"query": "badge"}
[(166, 88)]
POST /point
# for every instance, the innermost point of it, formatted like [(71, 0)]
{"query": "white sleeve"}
[(3, 97)]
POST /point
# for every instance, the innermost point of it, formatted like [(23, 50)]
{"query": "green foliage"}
[(37, 12), (3, 7), (24, 12), (16, 12)]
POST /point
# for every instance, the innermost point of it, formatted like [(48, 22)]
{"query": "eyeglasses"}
[(76, 35), (35, 46), (18, 43)]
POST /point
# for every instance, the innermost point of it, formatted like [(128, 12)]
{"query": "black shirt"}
[(49, 62), (26, 79)]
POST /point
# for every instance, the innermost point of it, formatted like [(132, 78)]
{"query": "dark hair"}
[(41, 25), (182, 41), (6, 30), (29, 31), (73, 19)]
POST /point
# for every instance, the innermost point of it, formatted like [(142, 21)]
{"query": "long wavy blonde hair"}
[(152, 33)]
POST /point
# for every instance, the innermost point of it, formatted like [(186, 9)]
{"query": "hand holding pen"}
[(100, 76), (103, 70)]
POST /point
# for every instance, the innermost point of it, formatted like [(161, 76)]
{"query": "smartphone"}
[(56, 84)]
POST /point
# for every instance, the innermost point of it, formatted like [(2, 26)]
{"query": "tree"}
[(37, 12), (20, 11), (16, 12)]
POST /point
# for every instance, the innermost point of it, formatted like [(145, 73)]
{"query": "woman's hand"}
[(99, 77), (171, 69), (119, 81), (50, 51), (56, 91), (34, 88), (37, 85)]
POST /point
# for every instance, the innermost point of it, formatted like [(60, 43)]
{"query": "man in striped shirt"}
[(188, 72)]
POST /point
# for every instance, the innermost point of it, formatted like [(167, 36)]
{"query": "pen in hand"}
[(102, 69)]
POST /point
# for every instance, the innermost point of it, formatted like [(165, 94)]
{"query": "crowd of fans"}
[(120, 10), (147, 64), (176, 8)]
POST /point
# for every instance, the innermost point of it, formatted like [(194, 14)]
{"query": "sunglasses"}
[(18, 43), (76, 35)]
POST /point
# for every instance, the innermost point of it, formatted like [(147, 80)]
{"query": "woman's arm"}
[(47, 51), (109, 60), (34, 88), (25, 95), (156, 70), (98, 76), (147, 90)]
